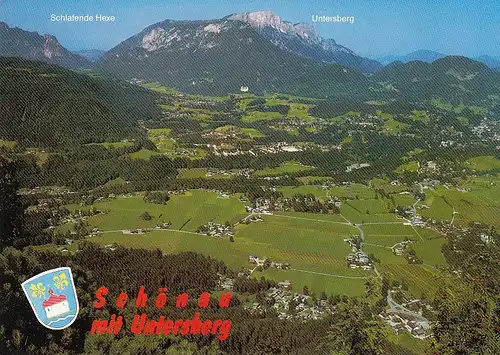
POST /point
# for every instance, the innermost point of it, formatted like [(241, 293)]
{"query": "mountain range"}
[(453, 79), (301, 39), (218, 56), (261, 51), (91, 54), (428, 56), (15, 42)]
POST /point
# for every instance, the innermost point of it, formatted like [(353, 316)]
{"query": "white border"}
[(33, 307)]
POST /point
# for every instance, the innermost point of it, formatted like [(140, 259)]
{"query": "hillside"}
[(47, 106), (423, 55), (452, 79), (15, 42), (217, 57)]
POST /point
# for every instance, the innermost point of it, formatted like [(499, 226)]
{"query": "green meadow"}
[(186, 212), (477, 201), (114, 145), (286, 167), (8, 144), (253, 116), (483, 163), (312, 243)]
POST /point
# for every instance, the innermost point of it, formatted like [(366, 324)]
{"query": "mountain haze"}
[(15, 42), (423, 55), (492, 62), (91, 54)]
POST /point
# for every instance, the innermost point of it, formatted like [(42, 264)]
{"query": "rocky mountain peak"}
[(51, 46), (267, 19)]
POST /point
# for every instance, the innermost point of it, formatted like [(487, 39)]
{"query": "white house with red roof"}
[(55, 305)]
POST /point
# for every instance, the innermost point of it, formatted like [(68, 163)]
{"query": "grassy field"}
[(41, 155), (313, 179), (300, 111), (114, 145), (188, 211), (160, 137), (8, 144), (289, 191), (286, 167), (420, 278), (316, 283), (144, 154), (253, 116), (312, 243), (479, 202), (392, 126), (115, 182), (252, 132), (314, 247), (192, 173), (167, 146), (483, 163), (411, 166), (420, 116), (388, 234)]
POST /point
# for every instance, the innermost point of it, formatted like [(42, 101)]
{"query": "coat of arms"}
[(52, 296)]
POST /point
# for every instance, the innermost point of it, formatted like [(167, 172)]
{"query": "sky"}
[(381, 27)]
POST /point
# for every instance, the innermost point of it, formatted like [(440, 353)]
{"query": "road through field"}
[(331, 275)]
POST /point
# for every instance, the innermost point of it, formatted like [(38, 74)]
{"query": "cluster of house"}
[(221, 172), (401, 247), (252, 219), (177, 192), (261, 209), (95, 232), (360, 260), (213, 229), (161, 226), (46, 190), (417, 221), (282, 298), (80, 216), (111, 247), (429, 167), (225, 283), (136, 231), (357, 258), (400, 322), (356, 167), (266, 262)]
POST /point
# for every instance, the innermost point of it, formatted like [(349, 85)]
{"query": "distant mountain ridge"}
[(91, 54), (422, 55), (16, 42), (453, 79), (430, 56), (492, 62)]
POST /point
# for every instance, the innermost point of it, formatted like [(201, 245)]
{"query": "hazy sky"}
[(381, 27)]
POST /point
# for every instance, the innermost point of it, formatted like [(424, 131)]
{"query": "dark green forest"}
[(43, 105)]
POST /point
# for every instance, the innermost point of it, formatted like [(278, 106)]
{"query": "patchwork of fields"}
[(313, 244)]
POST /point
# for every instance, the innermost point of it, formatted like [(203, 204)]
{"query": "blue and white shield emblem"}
[(52, 296)]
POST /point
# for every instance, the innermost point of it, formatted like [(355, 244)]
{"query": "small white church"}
[(55, 305)]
